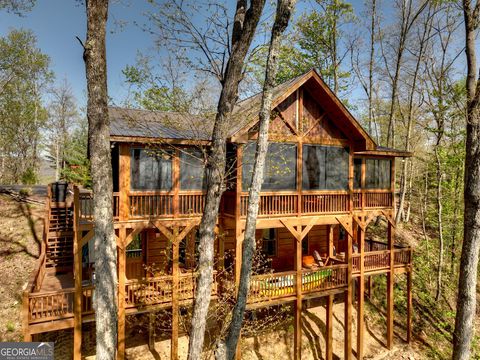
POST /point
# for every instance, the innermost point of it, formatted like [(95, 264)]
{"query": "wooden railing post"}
[(124, 182), (26, 316), (390, 282), (176, 182)]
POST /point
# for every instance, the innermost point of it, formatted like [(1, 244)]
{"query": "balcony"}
[(184, 204)]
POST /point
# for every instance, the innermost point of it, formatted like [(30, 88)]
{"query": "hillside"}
[(21, 227)]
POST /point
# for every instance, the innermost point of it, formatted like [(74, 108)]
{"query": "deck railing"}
[(372, 199), (150, 204), (86, 205), (274, 286), (272, 203), (380, 259), (158, 290), (402, 256), (147, 204), (53, 305), (267, 287), (325, 202), (325, 278)]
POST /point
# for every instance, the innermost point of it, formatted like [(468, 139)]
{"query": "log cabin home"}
[(325, 181)]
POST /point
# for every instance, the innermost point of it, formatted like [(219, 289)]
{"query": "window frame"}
[(245, 185), (274, 240), (325, 168), (136, 189), (377, 185)]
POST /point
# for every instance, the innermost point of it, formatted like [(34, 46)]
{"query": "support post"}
[(298, 303), (175, 305), (348, 301), (329, 329), (361, 293), (122, 235), (27, 337), (124, 181), (390, 281), (77, 259), (330, 241), (176, 182), (151, 331), (409, 306)]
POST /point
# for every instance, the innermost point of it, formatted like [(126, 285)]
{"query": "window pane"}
[(377, 174), (337, 168), (325, 167), (151, 170), (191, 170), (269, 242), (357, 173), (314, 167), (280, 166)]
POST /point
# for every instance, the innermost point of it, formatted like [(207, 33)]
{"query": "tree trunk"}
[(105, 298), (439, 225), (370, 67), (245, 23), (467, 285), (227, 349), (456, 208)]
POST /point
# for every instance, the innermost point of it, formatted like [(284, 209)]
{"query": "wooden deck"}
[(54, 299)]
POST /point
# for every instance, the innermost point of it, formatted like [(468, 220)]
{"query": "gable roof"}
[(319, 90), (128, 124)]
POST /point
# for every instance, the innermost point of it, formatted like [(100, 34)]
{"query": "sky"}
[(56, 23)]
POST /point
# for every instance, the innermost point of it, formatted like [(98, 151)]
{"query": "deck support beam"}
[(390, 282), (298, 302), (151, 331), (329, 329), (122, 235), (361, 292), (77, 261), (175, 305), (348, 294), (409, 306)]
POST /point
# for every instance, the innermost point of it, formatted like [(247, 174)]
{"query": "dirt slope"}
[(21, 227)]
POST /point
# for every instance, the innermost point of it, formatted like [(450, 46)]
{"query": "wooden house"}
[(325, 181)]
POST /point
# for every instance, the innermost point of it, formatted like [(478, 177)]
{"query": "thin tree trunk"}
[(456, 208), (245, 23), (370, 67), (439, 225), (105, 299), (227, 349), (467, 285), (403, 185)]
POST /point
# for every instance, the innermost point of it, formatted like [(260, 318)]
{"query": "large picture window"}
[(325, 167), (151, 169), (280, 166), (192, 170), (377, 174)]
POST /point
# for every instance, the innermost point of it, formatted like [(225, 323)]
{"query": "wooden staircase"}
[(59, 236)]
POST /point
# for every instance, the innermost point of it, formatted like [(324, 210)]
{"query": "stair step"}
[(61, 233)]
